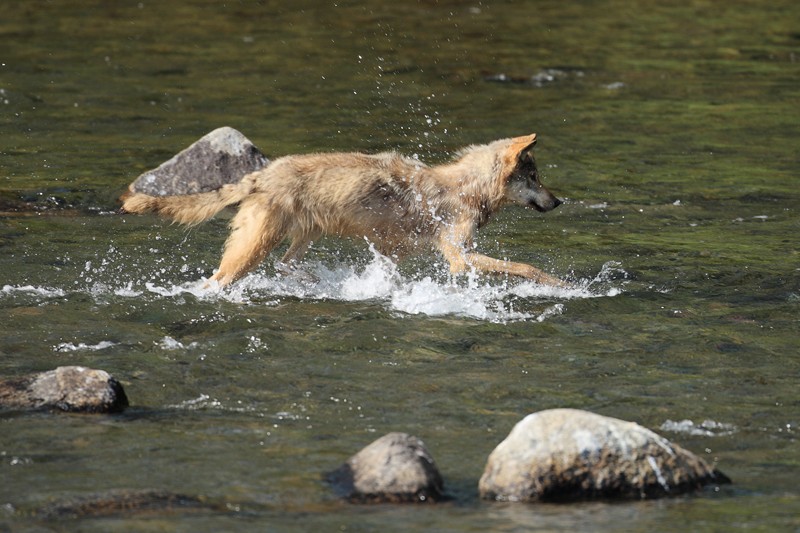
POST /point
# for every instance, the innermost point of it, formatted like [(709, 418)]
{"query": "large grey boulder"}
[(220, 157), (68, 388), (569, 454), (396, 468)]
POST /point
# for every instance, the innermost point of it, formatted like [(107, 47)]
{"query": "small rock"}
[(396, 468), (68, 388), (220, 157), (571, 455)]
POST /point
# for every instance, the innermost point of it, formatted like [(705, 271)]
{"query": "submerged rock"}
[(396, 468), (125, 503), (220, 157), (542, 78), (570, 455), (68, 388)]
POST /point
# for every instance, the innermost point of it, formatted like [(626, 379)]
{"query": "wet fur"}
[(397, 203)]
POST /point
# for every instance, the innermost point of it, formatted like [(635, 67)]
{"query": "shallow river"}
[(671, 130)]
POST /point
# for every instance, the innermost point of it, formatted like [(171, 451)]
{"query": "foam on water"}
[(170, 344), (29, 290), (204, 401), (706, 428), (80, 347)]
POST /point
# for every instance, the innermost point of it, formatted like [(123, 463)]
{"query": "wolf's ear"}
[(519, 147)]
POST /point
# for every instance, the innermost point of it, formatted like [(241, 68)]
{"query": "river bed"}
[(669, 130)]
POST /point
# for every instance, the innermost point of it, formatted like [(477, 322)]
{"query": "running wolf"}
[(397, 203)]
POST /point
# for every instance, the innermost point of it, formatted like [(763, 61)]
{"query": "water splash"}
[(472, 296), (376, 279)]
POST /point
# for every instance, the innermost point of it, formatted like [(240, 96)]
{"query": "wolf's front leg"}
[(490, 265), (454, 246), (461, 262)]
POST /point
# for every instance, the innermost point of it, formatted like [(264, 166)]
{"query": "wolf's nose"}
[(556, 202)]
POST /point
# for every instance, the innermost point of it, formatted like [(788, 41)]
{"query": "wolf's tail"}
[(189, 208)]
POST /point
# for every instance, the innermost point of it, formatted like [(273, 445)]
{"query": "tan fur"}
[(397, 203)]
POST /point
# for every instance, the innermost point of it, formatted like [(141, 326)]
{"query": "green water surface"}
[(671, 129)]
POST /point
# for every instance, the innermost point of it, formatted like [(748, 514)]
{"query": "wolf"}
[(397, 203)]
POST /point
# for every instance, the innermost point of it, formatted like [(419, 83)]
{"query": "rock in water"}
[(396, 468), (125, 503), (68, 388), (570, 455), (222, 156)]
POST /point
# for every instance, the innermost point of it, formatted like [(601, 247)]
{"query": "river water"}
[(671, 130)]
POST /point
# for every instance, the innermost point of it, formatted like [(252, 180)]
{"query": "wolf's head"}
[(522, 185)]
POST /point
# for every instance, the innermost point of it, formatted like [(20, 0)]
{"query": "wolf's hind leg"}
[(288, 265), (257, 228), (297, 249)]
